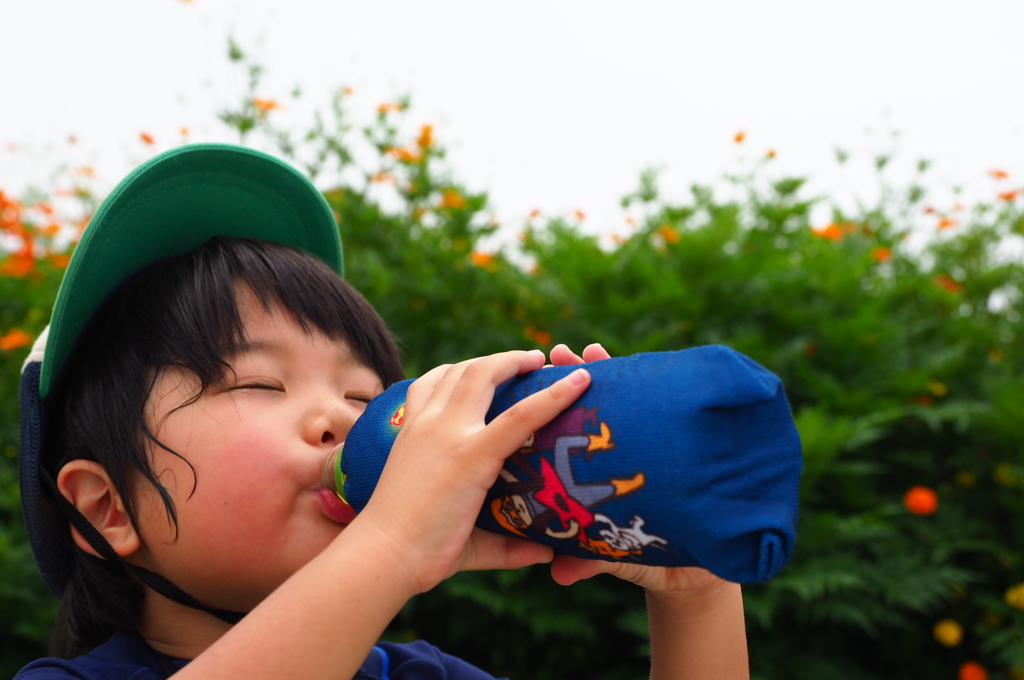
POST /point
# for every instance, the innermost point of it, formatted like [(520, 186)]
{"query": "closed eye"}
[(269, 387)]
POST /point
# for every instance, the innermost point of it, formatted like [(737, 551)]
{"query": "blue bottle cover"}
[(685, 458)]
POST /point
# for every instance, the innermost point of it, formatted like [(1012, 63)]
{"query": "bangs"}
[(196, 321)]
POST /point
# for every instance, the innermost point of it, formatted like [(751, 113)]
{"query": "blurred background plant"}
[(895, 327)]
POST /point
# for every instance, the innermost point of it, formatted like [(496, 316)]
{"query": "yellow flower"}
[(966, 478), (1005, 474), (948, 632), (1015, 596)]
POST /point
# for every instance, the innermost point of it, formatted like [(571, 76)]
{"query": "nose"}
[(329, 421)]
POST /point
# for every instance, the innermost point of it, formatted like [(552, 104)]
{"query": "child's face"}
[(255, 513)]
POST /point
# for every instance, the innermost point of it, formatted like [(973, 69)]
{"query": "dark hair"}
[(178, 312)]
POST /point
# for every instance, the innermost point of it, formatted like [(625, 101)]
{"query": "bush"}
[(903, 364)]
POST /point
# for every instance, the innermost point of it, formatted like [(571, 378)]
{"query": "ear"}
[(86, 484)]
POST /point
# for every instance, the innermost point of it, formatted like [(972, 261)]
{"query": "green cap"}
[(174, 203)]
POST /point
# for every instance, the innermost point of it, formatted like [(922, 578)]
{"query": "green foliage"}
[(901, 357)]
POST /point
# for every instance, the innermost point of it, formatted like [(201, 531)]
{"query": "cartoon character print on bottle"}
[(542, 495)]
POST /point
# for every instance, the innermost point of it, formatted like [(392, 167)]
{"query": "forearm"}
[(698, 635)]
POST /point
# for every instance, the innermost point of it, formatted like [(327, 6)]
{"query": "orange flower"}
[(346, 90), (999, 174), (86, 171), (972, 670), (60, 260), (668, 233), (1008, 196), (580, 215), (389, 107), (535, 213), (483, 260), (405, 155), (147, 138), (18, 265), (739, 137), (949, 283), (921, 500), (383, 177), (929, 210), (833, 232), (947, 223), (14, 339), (451, 198), (265, 106), (881, 254), (538, 336), (771, 153), (426, 138)]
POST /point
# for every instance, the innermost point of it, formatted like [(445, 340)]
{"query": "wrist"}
[(695, 602)]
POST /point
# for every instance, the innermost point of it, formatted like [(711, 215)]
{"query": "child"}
[(203, 360)]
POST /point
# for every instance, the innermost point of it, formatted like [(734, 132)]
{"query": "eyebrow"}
[(251, 347)]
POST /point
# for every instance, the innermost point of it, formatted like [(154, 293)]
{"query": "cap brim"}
[(173, 204)]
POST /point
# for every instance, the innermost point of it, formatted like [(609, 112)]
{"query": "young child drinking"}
[(203, 359)]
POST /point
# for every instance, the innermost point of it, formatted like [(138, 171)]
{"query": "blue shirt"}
[(125, 656)]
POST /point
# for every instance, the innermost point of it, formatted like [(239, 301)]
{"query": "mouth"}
[(336, 509)]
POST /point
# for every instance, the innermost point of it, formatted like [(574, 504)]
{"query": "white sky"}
[(555, 105)]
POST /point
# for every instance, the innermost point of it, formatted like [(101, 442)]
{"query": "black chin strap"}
[(147, 577)]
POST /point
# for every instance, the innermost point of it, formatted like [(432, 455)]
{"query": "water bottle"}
[(684, 458)]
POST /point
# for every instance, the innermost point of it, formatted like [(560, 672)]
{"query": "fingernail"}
[(578, 377)]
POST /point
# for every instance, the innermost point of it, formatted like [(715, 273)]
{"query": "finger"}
[(514, 425), (475, 386), (442, 390), (423, 387), (595, 352), (561, 355), (487, 550), (567, 569)]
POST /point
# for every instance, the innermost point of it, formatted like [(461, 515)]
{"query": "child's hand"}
[(445, 459), (561, 355), (567, 569)]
